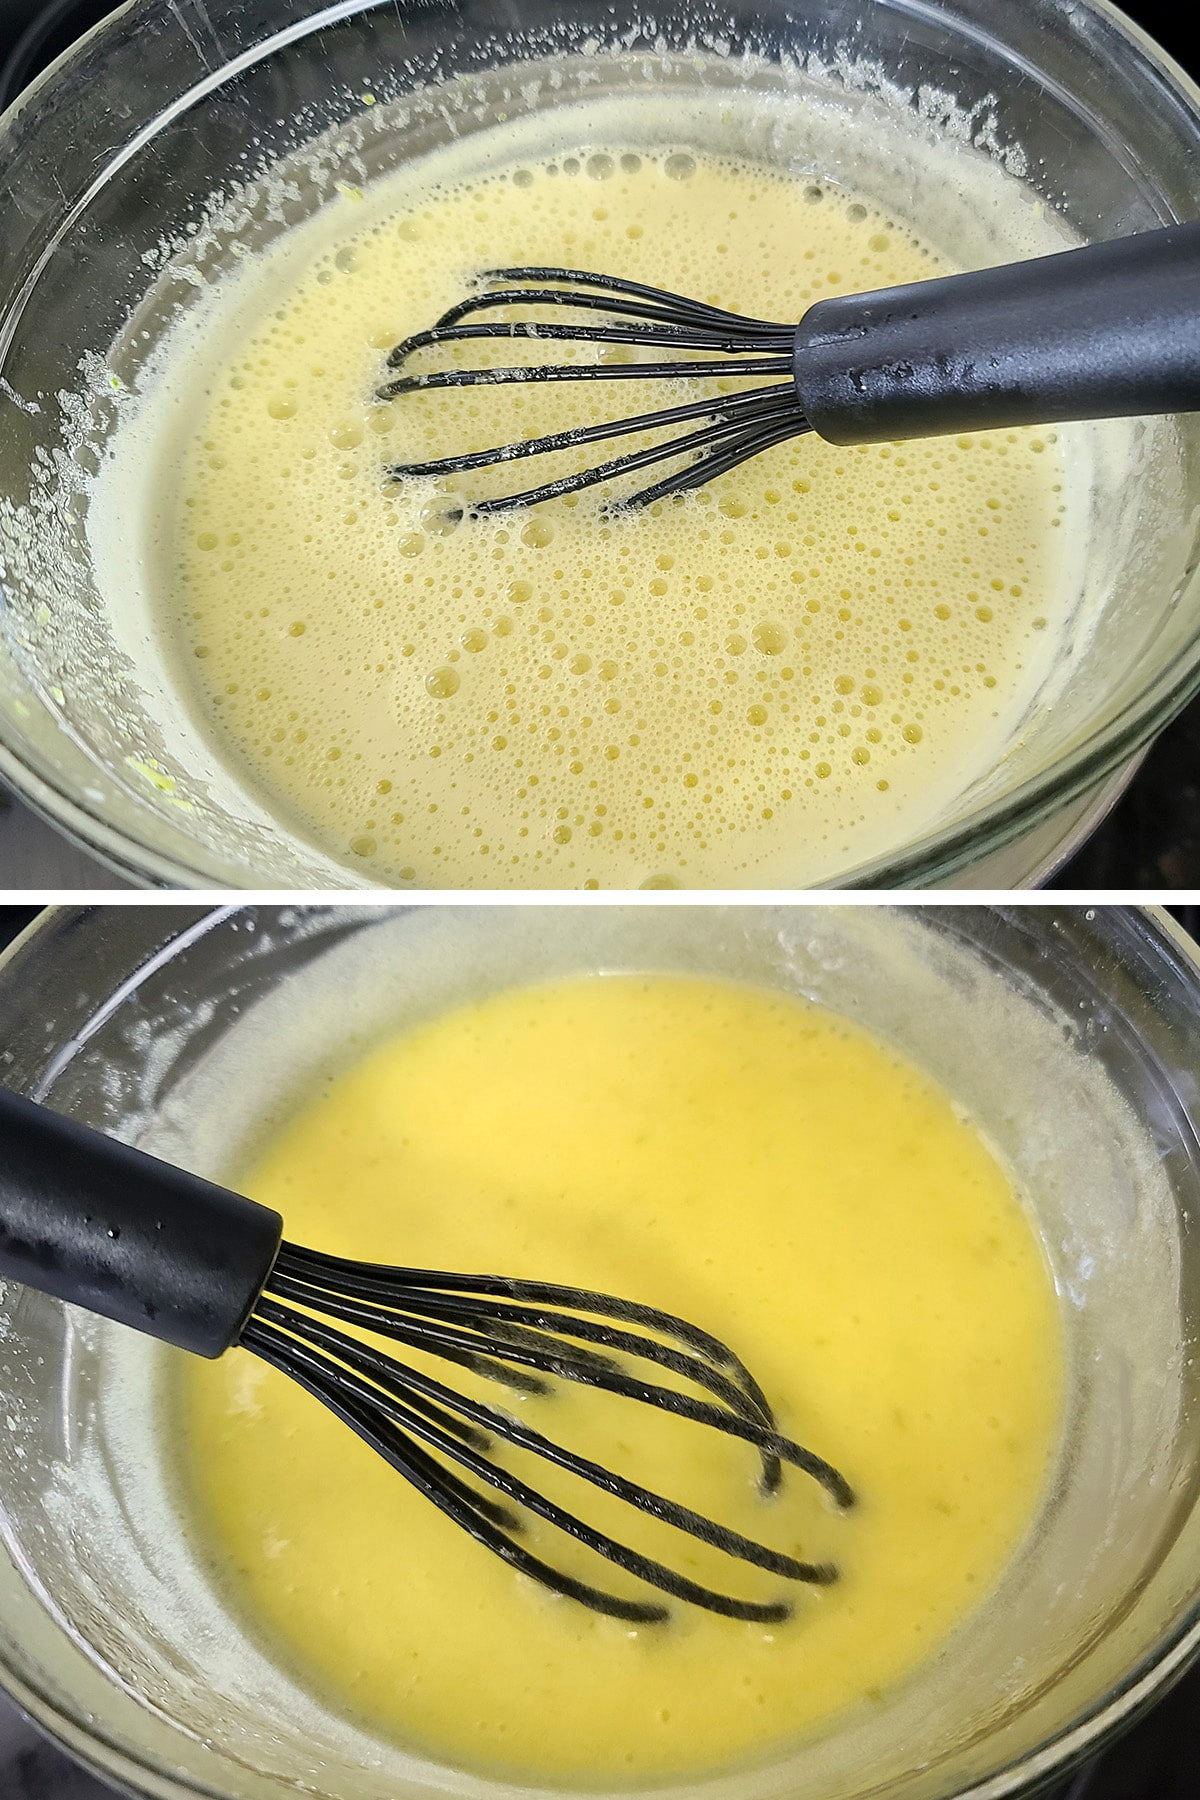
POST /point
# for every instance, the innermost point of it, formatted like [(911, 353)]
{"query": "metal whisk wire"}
[(517, 1333), (739, 426)]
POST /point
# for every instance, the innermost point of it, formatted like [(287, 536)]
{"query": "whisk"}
[(107, 1227), (1107, 331)]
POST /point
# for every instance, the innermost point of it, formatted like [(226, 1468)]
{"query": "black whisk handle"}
[(92, 1221), (1108, 331)]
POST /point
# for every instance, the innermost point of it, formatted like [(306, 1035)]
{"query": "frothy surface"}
[(794, 670)]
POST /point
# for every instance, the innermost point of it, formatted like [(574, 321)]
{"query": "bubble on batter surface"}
[(562, 697)]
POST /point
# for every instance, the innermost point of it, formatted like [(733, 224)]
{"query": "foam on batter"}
[(794, 670)]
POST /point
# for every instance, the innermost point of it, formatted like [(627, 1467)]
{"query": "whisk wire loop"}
[(519, 1333), (527, 1329), (350, 1388), (665, 302), (400, 1382), (557, 1360), (642, 318), (384, 1279), (529, 1325), (492, 1298), (606, 1319), (730, 405), (718, 432), (678, 337), (635, 371), (477, 1516), (722, 460)]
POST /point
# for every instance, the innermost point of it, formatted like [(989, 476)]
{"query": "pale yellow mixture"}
[(791, 672), (756, 1164)]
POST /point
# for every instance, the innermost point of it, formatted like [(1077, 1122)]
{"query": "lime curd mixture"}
[(792, 672), (737, 1156)]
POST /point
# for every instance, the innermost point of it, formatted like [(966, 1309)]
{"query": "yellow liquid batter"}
[(795, 670), (753, 1163)]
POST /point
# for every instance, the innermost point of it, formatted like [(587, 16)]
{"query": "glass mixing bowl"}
[(1072, 1038), (113, 155)]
